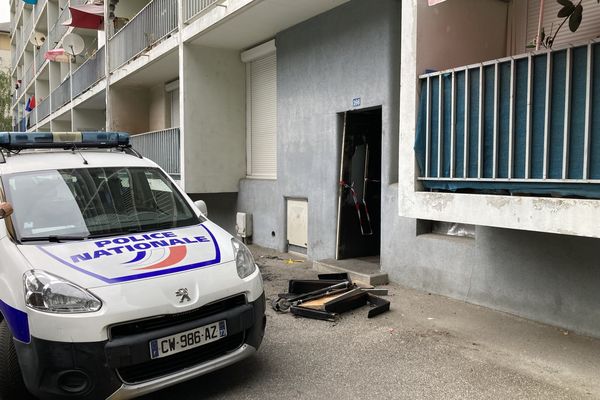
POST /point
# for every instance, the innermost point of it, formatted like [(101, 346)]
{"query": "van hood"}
[(127, 258)]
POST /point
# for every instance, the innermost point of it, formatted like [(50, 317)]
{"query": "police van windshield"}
[(94, 202)]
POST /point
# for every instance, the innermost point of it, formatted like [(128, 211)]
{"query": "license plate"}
[(187, 340)]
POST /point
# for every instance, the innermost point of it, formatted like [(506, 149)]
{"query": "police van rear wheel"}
[(11, 381)]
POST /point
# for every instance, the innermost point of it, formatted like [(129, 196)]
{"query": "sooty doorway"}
[(359, 202)]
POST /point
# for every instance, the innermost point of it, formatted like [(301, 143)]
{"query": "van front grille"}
[(169, 320)]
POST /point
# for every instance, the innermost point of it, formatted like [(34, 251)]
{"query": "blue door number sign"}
[(356, 102)]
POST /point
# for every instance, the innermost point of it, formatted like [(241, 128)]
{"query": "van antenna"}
[(76, 149)]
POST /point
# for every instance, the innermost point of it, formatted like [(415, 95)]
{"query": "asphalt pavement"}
[(426, 347)]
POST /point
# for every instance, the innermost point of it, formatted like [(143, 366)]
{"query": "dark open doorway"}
[(359, 207)]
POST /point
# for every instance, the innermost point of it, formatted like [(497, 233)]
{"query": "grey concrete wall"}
[(322, 64), (221, 208), (350, 52), (544, 277)]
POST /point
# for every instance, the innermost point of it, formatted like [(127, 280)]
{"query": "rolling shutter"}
[(589, 28), (262, 117)]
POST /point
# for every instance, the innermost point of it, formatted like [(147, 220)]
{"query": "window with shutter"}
[(262, 115)]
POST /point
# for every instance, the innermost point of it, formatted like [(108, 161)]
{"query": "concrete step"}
[(363, 271)]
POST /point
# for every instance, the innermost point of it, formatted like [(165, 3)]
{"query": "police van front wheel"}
[(11, 381)]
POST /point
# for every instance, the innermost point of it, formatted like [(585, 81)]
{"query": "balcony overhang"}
[(151, 69), (243, 24)]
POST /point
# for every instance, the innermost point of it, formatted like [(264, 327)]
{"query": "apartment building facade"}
[(422, 138), (5, 46)]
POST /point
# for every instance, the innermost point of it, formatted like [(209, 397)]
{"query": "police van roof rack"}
[(17, 141)]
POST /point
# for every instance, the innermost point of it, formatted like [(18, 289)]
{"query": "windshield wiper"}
[(52, 238)]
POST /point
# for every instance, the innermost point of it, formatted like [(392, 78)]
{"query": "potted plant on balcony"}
[(569, 12)]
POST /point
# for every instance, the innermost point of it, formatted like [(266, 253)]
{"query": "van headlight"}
[(243, 259), (49, 293)]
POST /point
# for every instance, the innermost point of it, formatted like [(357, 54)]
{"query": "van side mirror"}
[(202, 207), (6, 210)]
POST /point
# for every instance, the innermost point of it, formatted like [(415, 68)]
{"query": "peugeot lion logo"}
[(183, 293)]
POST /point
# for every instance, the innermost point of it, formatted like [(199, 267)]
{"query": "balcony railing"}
[(28, 27), (43, 108), (19, 91), (29, 74), (191, 8), (22, 124), (151, 25), (39, 56), (61, 95), (38, 8), (162, 147), (33, 118), (528, 124), (58, 29), (19, 46), (88, 73)]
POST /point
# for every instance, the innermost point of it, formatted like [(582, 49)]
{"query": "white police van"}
[(113, 284)]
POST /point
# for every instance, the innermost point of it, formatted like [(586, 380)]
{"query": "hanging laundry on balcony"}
[(87, 16), (57, 55), (30, 1)]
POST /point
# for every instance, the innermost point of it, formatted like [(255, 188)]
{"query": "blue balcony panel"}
[(524, 125)]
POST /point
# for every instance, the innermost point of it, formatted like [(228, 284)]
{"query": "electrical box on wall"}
[(243, 224)]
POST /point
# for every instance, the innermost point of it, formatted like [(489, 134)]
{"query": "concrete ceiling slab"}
[(162, 70), (97, 102), (260, 21)]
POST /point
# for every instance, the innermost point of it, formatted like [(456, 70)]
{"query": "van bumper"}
[(62, 370)]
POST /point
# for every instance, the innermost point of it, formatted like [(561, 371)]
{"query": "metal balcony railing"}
[(527, 124), (19, 46), (61, 95), (20, 6), (19, 91), (38, 8), (33, 118), (39, 56), (22, 124), (43, 108), (191, 8), (88, 73), (162, 147), (151, 25), (29, 74), (27, 28), (58, 30)]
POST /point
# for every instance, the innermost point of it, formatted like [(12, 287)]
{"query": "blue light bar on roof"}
[(60, 140)]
